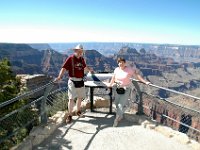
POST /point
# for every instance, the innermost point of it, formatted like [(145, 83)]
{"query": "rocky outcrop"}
[(27, 60), (130, 54), (149, 71), (20, 53), (40, 46), (98, 62), (179, 52), (148, 62), (31, 82), (142, 57)]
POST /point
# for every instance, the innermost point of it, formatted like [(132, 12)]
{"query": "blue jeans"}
[(120, 101)]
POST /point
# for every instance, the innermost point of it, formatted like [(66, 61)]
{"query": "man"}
[(75, 65)]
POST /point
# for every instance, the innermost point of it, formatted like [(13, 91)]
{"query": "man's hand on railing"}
[(57, 79), (91, 71)]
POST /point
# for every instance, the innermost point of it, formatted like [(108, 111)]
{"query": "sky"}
[(138, 21)]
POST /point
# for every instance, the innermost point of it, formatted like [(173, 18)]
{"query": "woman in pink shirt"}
[(121, 78)]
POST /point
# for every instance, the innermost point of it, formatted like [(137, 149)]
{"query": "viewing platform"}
[(95, 132), (150, 122)]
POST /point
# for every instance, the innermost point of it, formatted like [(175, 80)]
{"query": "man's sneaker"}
[(69, 119), (78, 113)]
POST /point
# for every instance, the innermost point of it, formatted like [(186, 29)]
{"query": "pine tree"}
[(9, 86)]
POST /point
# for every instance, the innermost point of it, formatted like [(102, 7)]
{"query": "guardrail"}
[(20, 121), (183, 118), (15, 125)]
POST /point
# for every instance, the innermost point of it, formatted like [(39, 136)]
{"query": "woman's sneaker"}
[(115, 123), (69, 119)]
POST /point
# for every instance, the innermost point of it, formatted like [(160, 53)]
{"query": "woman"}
[(121, 78)]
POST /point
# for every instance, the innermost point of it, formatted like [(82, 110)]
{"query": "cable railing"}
[(17, 98), (170, 90), (15, 125), (178, 116)]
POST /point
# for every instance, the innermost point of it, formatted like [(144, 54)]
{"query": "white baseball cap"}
[(79, 46)]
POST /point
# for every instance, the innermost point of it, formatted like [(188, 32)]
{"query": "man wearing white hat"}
[(75, 65)]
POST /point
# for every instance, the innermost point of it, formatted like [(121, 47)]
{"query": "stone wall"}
[(31, 82)]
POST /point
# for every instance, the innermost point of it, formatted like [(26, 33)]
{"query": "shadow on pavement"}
[(56, 140)]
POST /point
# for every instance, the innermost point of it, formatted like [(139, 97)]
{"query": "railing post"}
[(110, 95), (91, 99), (43, 110), (140, 104)]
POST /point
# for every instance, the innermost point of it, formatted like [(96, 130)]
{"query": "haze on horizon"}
[(138, 21)]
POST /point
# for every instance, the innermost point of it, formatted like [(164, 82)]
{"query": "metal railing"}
[(176, 115), (15, 125)]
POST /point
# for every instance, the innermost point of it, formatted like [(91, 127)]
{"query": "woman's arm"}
[(112, 81), (142, 79)]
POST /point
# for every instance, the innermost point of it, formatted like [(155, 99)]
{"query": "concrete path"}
[(95, 132)]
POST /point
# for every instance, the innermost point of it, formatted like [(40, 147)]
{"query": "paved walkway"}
[(95, 132)]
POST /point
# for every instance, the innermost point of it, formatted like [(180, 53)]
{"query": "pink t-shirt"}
[(123, 76)]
